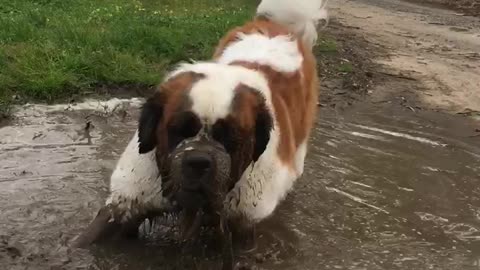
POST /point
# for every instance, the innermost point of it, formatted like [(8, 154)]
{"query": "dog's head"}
[(207, 124)]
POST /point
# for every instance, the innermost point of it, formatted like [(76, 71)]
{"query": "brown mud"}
[(384, 188)]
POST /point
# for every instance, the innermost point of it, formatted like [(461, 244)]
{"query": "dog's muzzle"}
[(197, 169), (200, 170)]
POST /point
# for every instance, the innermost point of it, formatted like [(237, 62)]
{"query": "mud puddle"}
[(384, 188)]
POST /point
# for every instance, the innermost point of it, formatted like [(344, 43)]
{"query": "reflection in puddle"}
[(357, 199), (400, 135), (383, 189)]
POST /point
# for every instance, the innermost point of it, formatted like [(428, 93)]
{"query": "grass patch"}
[(52, 49), (5, 106), (345, 68), (327, 45)]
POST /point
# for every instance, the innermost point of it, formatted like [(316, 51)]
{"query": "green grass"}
[(327, 45), (52, 49), (345, 68), (5, 106)]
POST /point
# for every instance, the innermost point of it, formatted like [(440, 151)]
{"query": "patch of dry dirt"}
[(420, 57), (470, 7), (345, 67)]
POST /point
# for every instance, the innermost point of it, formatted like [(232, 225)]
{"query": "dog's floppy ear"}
[(263, 127), (150, 118), (248, 97)]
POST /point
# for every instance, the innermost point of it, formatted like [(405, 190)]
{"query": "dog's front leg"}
[(244, 236), (227, 249), (135, 194), (135, 184), (106, 226)]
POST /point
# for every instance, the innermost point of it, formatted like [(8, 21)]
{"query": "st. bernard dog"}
[(227, 138)]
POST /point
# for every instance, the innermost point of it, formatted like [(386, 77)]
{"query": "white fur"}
[(280, 53), (301, 16), (213, 95), (300, 157), (262, 186), (136, 178), (265, 183)]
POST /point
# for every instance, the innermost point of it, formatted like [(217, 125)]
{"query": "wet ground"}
[(384, 188)]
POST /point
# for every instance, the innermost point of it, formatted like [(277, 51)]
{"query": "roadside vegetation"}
[(53, 49)]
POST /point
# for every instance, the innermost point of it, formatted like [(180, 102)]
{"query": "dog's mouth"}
[(198, 208), (197, 183), (191, 199), (207, 193), (208, 196)]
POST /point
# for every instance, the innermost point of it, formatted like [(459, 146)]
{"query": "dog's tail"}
[(303, 17)]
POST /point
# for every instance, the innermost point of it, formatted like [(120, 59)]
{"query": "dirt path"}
[(432, 58)]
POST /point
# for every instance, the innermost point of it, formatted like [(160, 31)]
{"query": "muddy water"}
[(383, 188)]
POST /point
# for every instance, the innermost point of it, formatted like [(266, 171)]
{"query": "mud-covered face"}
[(200, 156), (199, 175)]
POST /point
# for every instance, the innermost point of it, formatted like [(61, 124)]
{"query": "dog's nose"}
[(196, 165)]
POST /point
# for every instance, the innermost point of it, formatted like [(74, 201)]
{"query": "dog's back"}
[(278, 44)]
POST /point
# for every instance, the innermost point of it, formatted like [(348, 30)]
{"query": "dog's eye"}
[(184, 125), (222, 132)]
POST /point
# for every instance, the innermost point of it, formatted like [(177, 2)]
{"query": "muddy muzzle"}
[(200, 171)]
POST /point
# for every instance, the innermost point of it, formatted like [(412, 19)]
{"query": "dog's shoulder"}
[(289, 67)]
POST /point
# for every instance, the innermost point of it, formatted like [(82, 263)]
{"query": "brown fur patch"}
[(294, 95), (174, 93), (237, 131), (245, 105), (176, 90)]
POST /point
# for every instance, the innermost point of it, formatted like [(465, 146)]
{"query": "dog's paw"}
[(128, 208)]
